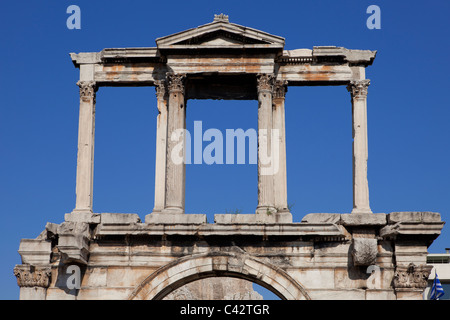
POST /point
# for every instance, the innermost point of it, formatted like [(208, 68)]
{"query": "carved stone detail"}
[(364, 251), (265, 82), (30, 276), (160, 87), (280, 89), (221, 17), (223, 288), (358, 89), (412, 276), (73, 242), (87, 90), (176, 82)]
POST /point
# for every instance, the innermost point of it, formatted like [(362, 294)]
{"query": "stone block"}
[(380, 294), (95, 277), (104, 293), (364, 251), (321, 218), (119, 218), (349, 278), (337, 294), (409, 294), (363, 219), (56, 293), (86, 217), (51, 229), (411, 216), (35, 252), (257, 218), (315, 278), (73, 242), (127, 277), (380, 278), (175, 218), (32, 293)]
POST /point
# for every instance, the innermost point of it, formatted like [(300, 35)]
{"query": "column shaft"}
[(161, 147), (265, 159), (358, 90), (280, 175), (175, 158), (85, 157)]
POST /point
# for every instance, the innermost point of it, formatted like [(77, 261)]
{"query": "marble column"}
[(265, 160), (85, 157), (358, 91), (280, 178), (175, 156), (161, 146)]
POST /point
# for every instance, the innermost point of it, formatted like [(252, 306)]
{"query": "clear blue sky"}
[(408, 113)]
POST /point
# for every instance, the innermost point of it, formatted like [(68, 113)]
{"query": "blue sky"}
[(408, 112)]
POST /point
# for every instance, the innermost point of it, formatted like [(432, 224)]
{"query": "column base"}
[(157, 210), (78, 215), (82, 210), (364, 210), (267, 210), (171, 210)]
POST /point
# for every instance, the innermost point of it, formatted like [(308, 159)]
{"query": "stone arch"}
[(218, 264)]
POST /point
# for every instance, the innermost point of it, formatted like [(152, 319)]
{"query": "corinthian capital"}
[(160, 87), (176, 82), (265, 82), (280, 89), (358, 88), (30, 276), (87, 90), (412, 276)]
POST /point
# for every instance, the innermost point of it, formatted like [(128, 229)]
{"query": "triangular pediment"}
[(220, 33)]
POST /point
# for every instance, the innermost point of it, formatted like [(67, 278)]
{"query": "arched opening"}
[(220, 288), (218, 264)]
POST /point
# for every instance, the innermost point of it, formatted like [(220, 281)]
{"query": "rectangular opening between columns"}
[(125, 136)]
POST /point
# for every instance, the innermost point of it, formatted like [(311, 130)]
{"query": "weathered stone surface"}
[(413, 224), (339, 294), (86, 217), (412, 276), (416, 217), (199, 227), (175, 218), (119, 218), (73, 241), (351, 220), (380, 295), (364, 251), (224, 288), (30, 276), (320, 267), (260, 218), (35, 252), (322, 218), (375, 219)]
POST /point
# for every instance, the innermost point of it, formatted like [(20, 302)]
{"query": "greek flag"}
[(436, 290)]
